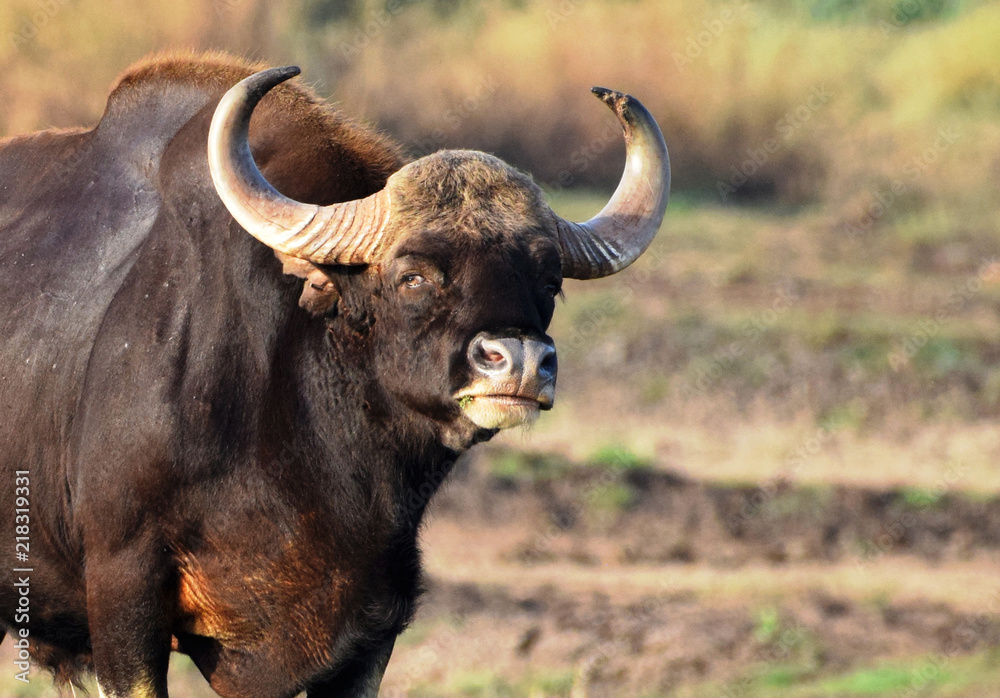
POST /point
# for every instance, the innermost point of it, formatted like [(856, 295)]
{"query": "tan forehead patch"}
[(476, 193)]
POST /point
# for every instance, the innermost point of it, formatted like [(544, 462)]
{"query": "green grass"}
[(526, 466), (876, 682), (920, 499), (611, 498), (482, 684), (846, 415), (768, 624), (955, 677), (960, 677), (618, 456), (489, 684), (783, 676)]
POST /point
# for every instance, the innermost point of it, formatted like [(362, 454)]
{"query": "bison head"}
[(458, 257)]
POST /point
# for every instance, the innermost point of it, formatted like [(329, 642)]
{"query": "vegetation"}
[(821, 307), (922, 676), (618, 456), (796, 101), (526, 466)]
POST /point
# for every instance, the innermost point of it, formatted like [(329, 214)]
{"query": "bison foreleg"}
[(128, 625)]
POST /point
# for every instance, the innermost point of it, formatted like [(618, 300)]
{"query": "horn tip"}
[(266, 80), (619, 102), (286, 73), (259, 84), (609, 97)]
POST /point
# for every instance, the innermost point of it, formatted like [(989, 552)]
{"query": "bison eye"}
[(413, 280), (553, 289)]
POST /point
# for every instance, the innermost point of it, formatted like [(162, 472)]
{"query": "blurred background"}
[(772, 468)]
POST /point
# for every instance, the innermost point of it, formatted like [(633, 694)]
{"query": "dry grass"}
[(732, 448), (848, 99), (460, 554)]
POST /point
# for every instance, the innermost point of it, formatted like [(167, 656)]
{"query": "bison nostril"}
[(490, 355), (514, 358), (493, 357), (548, 365)]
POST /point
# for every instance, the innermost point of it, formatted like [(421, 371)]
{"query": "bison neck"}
[(386, 455), (331, 490)]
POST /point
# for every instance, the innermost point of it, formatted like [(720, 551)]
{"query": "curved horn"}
[(623, 229), (345, 233)]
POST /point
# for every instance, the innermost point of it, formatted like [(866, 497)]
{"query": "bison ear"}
[(319, 291)]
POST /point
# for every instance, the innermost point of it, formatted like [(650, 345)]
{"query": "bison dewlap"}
[(243, 343)]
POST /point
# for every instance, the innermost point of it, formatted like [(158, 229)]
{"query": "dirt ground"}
[(541, 586)]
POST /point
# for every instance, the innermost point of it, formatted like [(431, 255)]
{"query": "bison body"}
[(219, 436)]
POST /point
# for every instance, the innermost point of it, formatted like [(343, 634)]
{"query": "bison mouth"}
[(513, 379), (500, 411)]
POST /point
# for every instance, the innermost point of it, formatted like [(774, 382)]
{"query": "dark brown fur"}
[(213, 468)]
